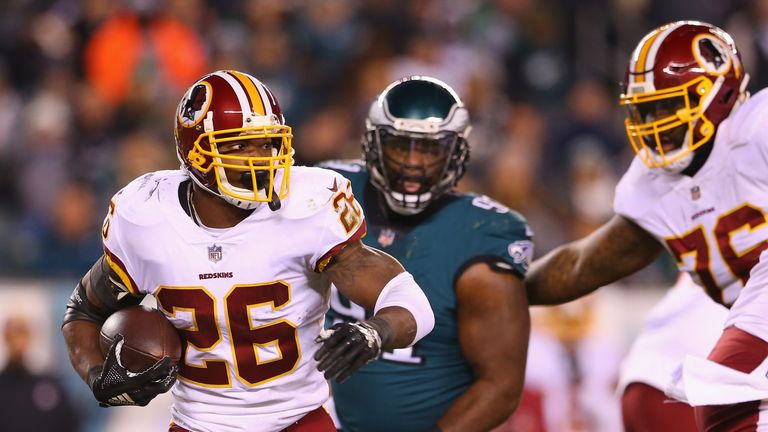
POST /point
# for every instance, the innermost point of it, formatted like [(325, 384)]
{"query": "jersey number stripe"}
[(695, 242), (205, 335)]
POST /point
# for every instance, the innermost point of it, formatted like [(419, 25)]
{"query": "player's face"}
[(247, 147), (661, 111), (414, 165)]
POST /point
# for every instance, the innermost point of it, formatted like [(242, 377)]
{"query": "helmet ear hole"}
[(727, 96)]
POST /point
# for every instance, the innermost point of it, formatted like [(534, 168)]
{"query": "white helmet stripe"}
[(245, 105), (266, 96), (650, 59), (644, 57)]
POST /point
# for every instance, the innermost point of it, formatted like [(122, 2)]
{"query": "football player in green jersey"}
[(467, 252)]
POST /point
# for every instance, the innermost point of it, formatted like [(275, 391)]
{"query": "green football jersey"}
[(410, 389)]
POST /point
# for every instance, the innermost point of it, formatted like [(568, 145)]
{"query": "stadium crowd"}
[(86, 87)]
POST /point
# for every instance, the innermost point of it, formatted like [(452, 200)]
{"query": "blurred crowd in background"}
[(88, 90)]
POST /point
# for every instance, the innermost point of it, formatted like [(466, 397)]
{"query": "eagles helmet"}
[(415, 144)]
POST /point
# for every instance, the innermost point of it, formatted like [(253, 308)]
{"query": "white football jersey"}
[(715, 222), (248, 301), (684, 322)]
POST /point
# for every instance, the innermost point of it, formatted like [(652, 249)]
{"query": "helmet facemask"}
[(665, 127), (245, 180), (413, 169)]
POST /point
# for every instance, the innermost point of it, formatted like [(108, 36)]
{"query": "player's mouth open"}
[(411, 186)]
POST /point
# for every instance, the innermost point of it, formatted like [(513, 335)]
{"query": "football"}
[(148, 337)]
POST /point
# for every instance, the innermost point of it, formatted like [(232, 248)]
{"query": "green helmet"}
[(415, 144)]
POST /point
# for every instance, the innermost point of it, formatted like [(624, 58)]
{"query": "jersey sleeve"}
[(745, 127), (115, 251), (343, 222), (498, 236), (116, 234), (628, 199)]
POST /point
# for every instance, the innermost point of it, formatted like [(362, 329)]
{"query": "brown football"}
[(148, 336)]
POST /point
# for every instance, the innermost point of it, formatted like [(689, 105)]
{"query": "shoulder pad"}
[(489, 231), (138, 201), (638, 190), (483, 208), (745, 124), (312, 190)]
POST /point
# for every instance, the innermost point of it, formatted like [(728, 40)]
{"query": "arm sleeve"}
[(343, 223), (504, 241), (116, 254)]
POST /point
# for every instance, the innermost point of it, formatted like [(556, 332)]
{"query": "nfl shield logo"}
[(695, 193), (386, 237), (214, 253)]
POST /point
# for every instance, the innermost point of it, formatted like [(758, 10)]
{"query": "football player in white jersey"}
[(696, 188), (240, 249)]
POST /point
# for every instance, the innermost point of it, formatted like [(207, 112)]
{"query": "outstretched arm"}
[(488, 299), (375, 281), (615, 250)]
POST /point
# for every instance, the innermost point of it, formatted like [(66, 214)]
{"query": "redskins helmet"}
[(227, 106), (683, 80), (415, 144)]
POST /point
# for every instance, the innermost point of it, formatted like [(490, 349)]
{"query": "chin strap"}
[(262, 182)]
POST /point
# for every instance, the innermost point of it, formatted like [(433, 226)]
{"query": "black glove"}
[(348, 346), (113, 385)]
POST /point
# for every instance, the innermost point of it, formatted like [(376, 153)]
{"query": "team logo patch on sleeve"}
[(521, 252)]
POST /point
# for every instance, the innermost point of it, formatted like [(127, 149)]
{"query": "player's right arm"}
[(94, 299), (98, 295), (615, 250)]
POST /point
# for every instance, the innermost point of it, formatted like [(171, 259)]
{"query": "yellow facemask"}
[(277, 166), (645, 136)]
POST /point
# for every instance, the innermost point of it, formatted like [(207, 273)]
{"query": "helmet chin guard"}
[(680, 163)]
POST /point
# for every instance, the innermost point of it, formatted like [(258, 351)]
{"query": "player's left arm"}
[(486, 298), (376, 281)]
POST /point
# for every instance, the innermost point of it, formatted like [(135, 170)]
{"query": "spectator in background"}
[(29, 401), (586, 126), (750, 30), (143, 49), (61, 243), (10, 112)]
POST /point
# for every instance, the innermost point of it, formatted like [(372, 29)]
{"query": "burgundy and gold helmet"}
[(683, 80), (227, 106)]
